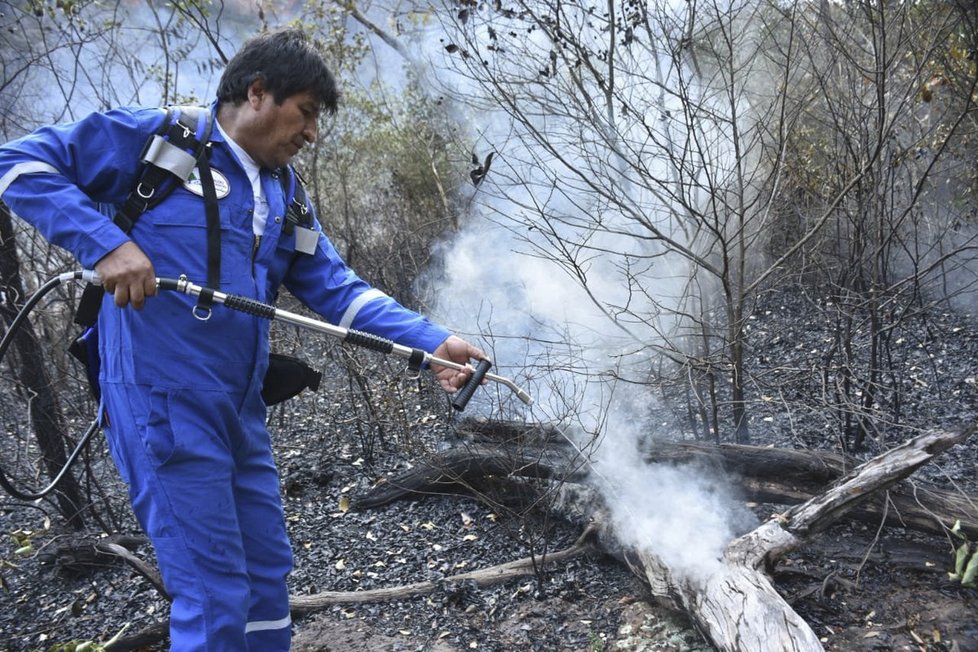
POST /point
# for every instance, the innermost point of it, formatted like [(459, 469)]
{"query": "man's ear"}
[(256, 92)]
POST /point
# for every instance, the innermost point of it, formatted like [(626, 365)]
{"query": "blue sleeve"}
[(324, 283), (55, 177)]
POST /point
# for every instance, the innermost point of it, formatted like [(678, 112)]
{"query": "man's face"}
[(279, 131)]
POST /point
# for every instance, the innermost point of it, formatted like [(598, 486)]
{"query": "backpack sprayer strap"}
[(168, 158), (213, 234), (297, 213)]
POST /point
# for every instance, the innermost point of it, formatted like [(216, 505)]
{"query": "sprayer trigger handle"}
[(463, 395)]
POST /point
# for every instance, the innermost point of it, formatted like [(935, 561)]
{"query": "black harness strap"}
[(155, 183), (297, 213), (213, 231)]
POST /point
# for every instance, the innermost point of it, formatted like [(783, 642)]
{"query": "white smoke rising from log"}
[(559, 265)]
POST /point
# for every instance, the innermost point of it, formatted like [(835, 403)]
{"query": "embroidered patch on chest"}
[(221, 186)]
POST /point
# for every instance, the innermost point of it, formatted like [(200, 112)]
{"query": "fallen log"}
[(789, 477), (79, 554), (468, 468), (735, 605), (764, 475)]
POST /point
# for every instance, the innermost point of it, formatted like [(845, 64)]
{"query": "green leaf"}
[(956, 530), (968, 578), (960, 557)]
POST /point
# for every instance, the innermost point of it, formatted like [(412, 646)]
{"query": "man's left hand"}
[(457, 350)]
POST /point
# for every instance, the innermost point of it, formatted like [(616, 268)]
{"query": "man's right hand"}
[(128, 274)]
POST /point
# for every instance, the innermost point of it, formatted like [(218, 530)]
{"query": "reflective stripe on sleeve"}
[(262, 625), (358, 303), (29, 167)]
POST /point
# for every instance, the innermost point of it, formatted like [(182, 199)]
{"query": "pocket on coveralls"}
[(158, 434), (176, 238), (184, 426)]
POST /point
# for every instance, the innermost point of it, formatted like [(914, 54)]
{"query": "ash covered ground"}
[(860, 587)]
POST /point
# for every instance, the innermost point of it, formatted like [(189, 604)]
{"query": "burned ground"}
[(861, 587)]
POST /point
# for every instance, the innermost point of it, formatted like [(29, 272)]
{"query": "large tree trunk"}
[(737, 607)]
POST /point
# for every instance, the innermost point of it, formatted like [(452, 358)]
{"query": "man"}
[(185, 421)]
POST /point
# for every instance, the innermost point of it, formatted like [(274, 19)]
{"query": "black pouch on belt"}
[(286, 377)]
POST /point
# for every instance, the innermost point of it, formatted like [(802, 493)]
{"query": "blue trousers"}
[(204, 487)]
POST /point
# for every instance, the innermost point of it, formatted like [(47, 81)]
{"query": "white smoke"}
[(580, 327)]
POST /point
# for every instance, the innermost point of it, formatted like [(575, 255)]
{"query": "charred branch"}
[(525, 567)]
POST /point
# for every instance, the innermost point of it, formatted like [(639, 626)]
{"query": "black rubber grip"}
[(164, 283), (368, 341), (464, 395), (250, 306)]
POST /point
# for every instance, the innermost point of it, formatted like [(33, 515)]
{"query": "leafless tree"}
[(898, 242), (651, 151), (60, 61)]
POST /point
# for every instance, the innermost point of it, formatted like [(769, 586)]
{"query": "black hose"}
[(8, 337), (5, 342), (41, 493)]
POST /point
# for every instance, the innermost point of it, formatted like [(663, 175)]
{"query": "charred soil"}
[(860, 587)]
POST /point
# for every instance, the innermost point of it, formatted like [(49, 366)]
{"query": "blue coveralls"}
[(186, 422)]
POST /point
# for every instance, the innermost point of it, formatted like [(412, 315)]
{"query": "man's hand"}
[(128, 274), (457, 350)]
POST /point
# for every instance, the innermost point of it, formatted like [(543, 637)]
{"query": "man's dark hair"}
[(286, 62)]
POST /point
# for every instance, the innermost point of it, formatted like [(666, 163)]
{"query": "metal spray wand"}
[(416, 357)]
